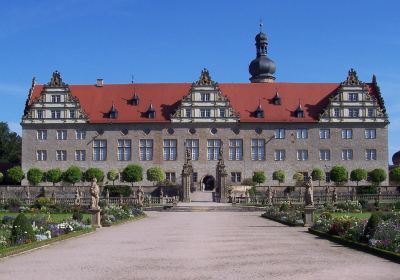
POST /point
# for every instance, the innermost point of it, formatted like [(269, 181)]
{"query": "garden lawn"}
[(57, 218), (363, 215)]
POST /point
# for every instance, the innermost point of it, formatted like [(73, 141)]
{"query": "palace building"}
[(263, 125)]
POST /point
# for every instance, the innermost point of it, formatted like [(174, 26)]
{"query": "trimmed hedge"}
[(117, 190)]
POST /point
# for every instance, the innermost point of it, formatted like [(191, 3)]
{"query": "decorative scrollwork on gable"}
[(56, 81), (352, 79), (205, 79)]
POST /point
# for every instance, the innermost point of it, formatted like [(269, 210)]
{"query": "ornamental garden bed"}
[(285, 214), (116, 214)]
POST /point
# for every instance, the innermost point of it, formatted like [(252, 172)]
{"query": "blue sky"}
[(171, 41)]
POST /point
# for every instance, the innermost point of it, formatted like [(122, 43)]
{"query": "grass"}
[(363, 215), (57, 218)]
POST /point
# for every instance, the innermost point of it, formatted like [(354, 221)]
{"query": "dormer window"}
[(135, 100), (55, 98), (259, 113), (277, 99), (299, 113), (113, 113), (151, 113)]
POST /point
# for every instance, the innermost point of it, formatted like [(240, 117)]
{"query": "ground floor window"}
[(170, 177), (236, 177), (61, 155), (80, 155), (41, 155)]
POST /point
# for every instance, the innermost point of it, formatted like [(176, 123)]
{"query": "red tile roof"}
[(244, 98)]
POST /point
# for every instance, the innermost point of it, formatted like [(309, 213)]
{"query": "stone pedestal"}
[(95, 217), (308, 216)]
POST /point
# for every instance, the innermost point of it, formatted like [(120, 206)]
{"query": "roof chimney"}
[(99, 82)]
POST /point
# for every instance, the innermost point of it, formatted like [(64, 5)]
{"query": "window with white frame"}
[(205, 113), (370, 154), (41, 155), (205, 96), (170, 177), (236, 177), (41, 134), (324, 154), (324, 133), (353, 96), (354, 112), (170, 149), (100, 150), (280, 133), (347, 133), (40, 114), (235, 149), (80, 155), (193, 146), (213, 146), (337, 113), (280, 155), (80, 134), (301, 133), (124, 149), (222, 112), (188, 113), (55, 114), (370, 133), (61, 135), (72, 114), (371, 112), (302, 154), (61, 155), (146, 149), (257, 149), (347, 154), (55, 98)]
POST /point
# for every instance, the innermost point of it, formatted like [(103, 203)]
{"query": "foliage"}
[(283, 207), (387, 234), (42, 202), (15, 175), (248, 182), (114, 213), (22, 231), (372, 225), (117, 191), (378, 175), (279, 175), (358, 175), (72, 175), (132, 173), (298, 177), (252, 191), (287, 215), (339, 174), (1, 177), (77, 215), (349, 206), (10, 145), (318, 175), (13, 204), (259, 177), (34, 176), (371, 189), (394, 175), (155, 174), (112, 175), (54, 175), (94, 173)]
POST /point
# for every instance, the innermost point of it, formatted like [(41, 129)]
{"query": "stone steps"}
[(201, 196)]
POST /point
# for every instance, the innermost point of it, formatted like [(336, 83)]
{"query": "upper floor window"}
[(222, 112), (99, 150), (336, 113), (354, 112), (257, 149), (61, 135), (280, 155), (205, 113), (280, 133), (235, 149), (56, 98), (302, 154), (80, 155), (80, 134), (72, 114), (301, 133), (324, 133), (146, 149), (124, 149), (347, 154), (347, 133), (371, 112), (40, 114), (56, 114), (213, 146), (170, 149), (370, 154), (61, 155), (370, 133), (353, 96), (205, 96), (41, 134), (236, 177), (193, 146), (324, 154), (188, 113), (41, 155)]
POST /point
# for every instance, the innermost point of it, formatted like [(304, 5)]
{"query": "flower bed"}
[(115, 214), (285, 215)]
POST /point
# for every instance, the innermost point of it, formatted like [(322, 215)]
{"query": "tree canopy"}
[(34, 176), (72, 175), (378, 175), (112, 175), (54, 175), (10, 145), (395, 175), (339, 174), (155, 174), (259, 177), (132, 173), (358, 175), (318, 175), (94, 172), (279, 175), (15, 175)]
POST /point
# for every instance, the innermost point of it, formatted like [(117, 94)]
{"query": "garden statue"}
[(309, 192), (77, 201), (334, 196), (3, 199), (269, 195), (353, 193), (95, 194), (140, 195), (379, 193), (326, 192), (53, 196), (161, 193), (107, 196)]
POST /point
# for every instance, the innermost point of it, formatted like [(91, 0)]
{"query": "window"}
[(55, 98), (257, 149), (236, 177), (354, 112), (302, 154), (194, 176), (347, 133), (170, 149), (99, 150), (40, 114), (353, 96), (61, 155), (280, 155), (80, 155), (222, 113), (235, 149), (301, 133), (55, 114), (347, 154), (170, 177), (324, 133), (80, 134), (205, 113), (205, 96), (328, 177), (146, 149), (371, 112), (61, 134), (124, 149), (41, 155), (193, 146), (324, 154), (370, 134), (280, 133), (370, 154), (188, 113), (72, 114), (42, 135), (213, 146), (336, 113)]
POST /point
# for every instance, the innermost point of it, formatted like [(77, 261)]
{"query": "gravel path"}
[(218, 245)]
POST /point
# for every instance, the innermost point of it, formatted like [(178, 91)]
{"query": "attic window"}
[(113, 113), (277, 99), (135, 100), (151, 113), (299, 113), (259, 113)]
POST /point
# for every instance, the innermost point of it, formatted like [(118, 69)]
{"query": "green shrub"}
[(132, 173), (378, 175), (318, 175), (358, 175), (42, 202), (372, 225), (15, 175), (279, 175), (326, 215), (284, 207), (349, 206), (13, 204), (259, 177), (54, 175), (77, 215), (22, 231), (34, 176), (339, 174), (371, 189), (72, 175), (397, 205), (112, 175), (116, 191), (155, 174), (94, 173)]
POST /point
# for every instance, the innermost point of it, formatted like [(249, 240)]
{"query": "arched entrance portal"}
[(208, 183)]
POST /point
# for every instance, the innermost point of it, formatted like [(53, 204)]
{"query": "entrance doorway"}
[(208, 183)]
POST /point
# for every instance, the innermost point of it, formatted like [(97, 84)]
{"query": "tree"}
[(378, 175), (155, 174), (1, 177), (72, 175), (94, 173), (112, 175), (15, 175), (339, 174), (34, 176), (394, 175), (279, 176), (132, 173), (10, 145), (54, 175), (318, 175), (259, 177), (298, 178), (358, 175)]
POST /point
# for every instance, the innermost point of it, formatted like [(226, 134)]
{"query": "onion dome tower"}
[(262, 68)]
